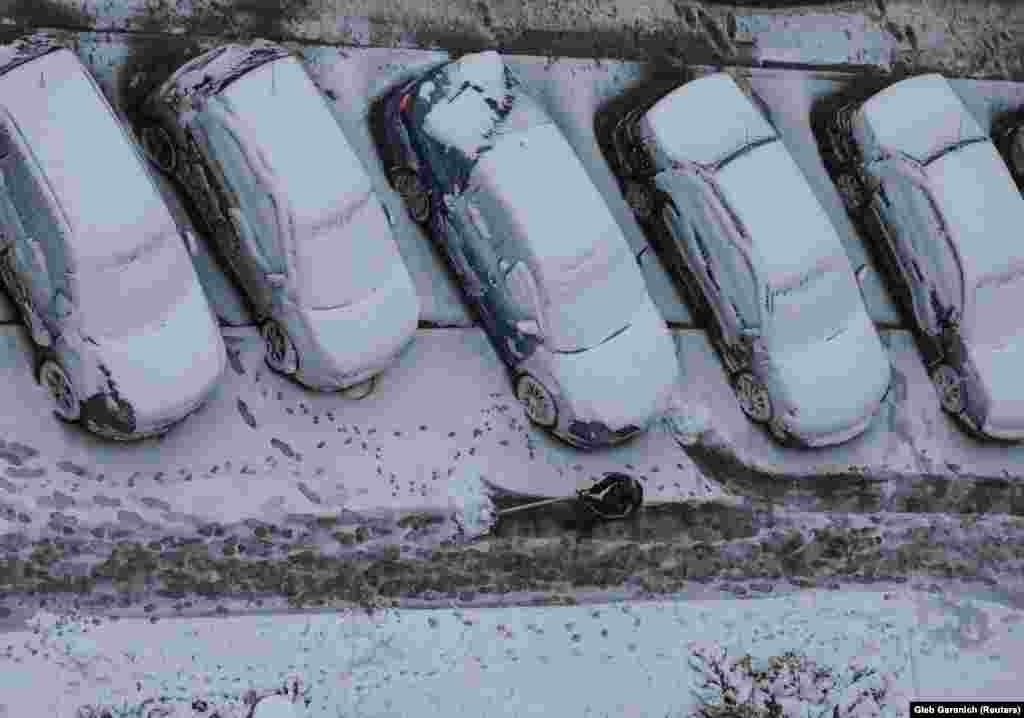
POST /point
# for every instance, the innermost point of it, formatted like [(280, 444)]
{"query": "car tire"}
[(950, 387), (639, 198), (850, 192), (753, 397), (279, 351), (410, 188), (537, 401), (61, 391), (38, 331), (159, 148)]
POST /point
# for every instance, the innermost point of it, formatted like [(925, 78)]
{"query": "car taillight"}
[(403, 104)]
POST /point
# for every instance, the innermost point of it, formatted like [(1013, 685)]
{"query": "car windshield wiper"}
[(742, 151), (953, 148), (607, 339)]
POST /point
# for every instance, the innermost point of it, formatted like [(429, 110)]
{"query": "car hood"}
[(831, 385), (166, 368), (359, 335), (625, 380), (998, 369)]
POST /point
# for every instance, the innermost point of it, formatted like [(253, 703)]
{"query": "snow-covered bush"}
[(786, 686)]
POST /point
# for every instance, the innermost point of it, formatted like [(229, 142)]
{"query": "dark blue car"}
[(484, 169)]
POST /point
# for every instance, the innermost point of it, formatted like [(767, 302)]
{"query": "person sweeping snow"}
[(616, 496)]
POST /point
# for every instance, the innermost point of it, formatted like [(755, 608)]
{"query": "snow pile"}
[(472, 508), (688, 421), (789, 685)]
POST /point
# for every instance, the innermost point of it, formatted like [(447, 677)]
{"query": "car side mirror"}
[(529, 326), (523, 287), (190, 242)]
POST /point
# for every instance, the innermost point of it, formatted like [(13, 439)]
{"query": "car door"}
[(253, 246), (916, 237), (501, 255), (723, 271), (33, 247)]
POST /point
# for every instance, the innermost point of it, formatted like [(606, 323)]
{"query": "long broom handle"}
[(535, 504)]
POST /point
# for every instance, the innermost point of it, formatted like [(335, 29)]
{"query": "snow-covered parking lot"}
[(448, 405), (270, 471)]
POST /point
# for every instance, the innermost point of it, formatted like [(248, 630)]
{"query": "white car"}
[(92, 257), (758, 257), (538, 252), (289, 205), (944, 215)]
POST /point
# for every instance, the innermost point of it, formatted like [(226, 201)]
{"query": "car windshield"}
[(122, 295), (810, 307), (343, 238), (594, 299), (997, 297), (346, 254)]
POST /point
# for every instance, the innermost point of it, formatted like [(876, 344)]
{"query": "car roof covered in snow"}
[(705, 120), (289, 122), (539, 181), (919, 117), (214, 70), (94, 169)]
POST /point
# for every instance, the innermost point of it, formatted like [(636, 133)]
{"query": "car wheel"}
[(280, 353), (410, 187), (850, 192), (1016, 152), (950, 387), (62, 393), (40, 334), (159, 148), (753, 397), (537, 401), (640, 199)]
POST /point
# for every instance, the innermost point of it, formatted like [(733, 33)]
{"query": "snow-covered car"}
[(942, 213), (756, 256), (92, 257), (1008, 136), (289, 206), (534, 246)]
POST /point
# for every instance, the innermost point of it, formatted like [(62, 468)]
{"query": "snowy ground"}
[(298, 473), (961, 37), (625, 659), (910, 437)]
